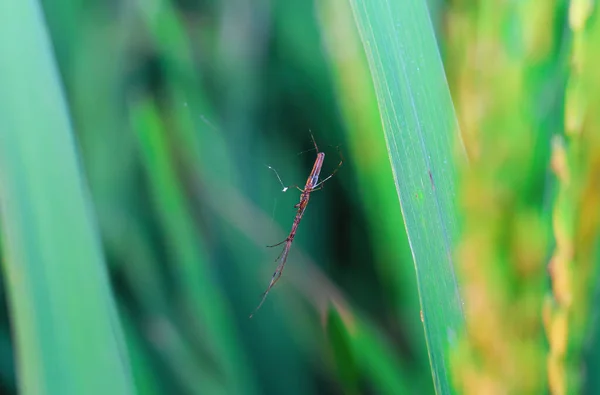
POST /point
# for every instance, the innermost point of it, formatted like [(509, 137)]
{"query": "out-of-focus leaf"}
[(68, 335)]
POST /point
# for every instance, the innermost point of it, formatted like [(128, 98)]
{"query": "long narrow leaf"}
[(419, 126), (67, 333)]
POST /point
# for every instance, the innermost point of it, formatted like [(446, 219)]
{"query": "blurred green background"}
[(136, 140)]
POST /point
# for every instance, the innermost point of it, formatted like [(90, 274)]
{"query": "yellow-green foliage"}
[(496, 53), (576, 215)]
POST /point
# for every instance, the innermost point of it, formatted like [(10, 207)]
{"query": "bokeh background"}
[(178, 107)]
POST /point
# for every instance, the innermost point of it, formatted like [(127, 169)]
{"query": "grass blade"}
[(67, 332), (206, 310), (419, 125)]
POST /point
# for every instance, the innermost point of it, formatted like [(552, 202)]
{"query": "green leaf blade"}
[(67, 334), (420, 126)]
